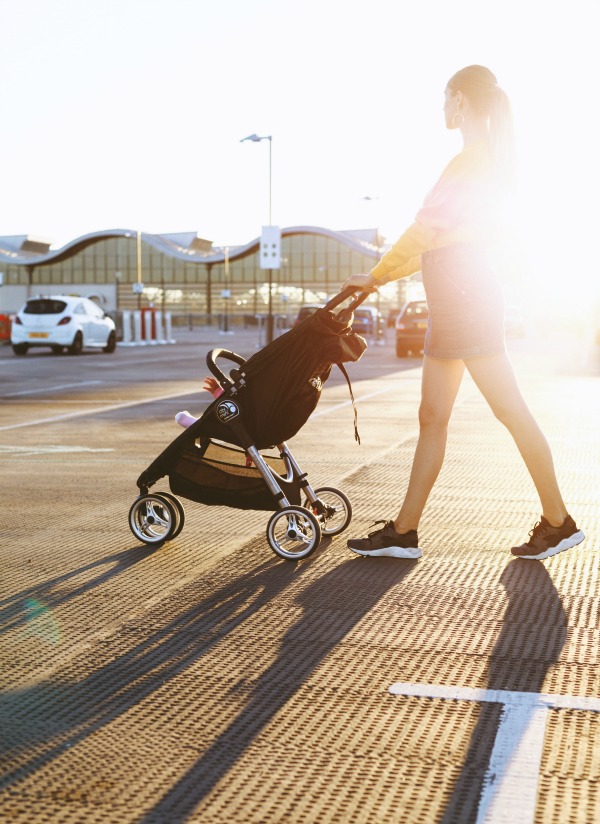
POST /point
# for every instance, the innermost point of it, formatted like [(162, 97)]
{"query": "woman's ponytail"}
[(502, 137), (479, 84)]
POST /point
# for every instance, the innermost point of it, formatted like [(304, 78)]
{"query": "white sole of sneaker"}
[(408, 552), (566, 543)]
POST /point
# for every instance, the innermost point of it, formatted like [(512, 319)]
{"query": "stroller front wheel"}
[(153, 519), (293, 533)]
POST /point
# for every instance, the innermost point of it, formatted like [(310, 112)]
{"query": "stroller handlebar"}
[(346, 293), (211, 362), (225, 381)]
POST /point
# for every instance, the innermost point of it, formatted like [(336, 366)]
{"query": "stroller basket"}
[(213, 473)]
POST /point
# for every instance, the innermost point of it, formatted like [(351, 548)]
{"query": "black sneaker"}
[(388, 543), (546, 540)]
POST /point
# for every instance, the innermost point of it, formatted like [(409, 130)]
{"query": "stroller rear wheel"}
[(293, 533), (179, 513), (153, 519), (333, 510)]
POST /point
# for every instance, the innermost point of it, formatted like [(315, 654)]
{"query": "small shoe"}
[(185, 419), (546, 540), (387, 543)]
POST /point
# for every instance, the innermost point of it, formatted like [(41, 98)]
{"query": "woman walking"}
[(451, 242)]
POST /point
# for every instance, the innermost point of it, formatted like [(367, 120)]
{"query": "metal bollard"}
[(169, 328), (148, 329), (137, 327), (126, 327), (160, 338)]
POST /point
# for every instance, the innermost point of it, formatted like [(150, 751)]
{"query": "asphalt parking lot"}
[(206, 680)]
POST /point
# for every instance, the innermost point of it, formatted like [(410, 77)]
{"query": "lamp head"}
[(255, 138)]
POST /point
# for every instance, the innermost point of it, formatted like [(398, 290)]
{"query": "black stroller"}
[(266, 400)]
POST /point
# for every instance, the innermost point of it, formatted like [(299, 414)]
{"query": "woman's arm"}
[(404, 258), (450, 209)]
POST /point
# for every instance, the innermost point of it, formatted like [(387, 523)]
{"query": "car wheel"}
[(20, 348), (400, 351), (111, 343), (77, 345)]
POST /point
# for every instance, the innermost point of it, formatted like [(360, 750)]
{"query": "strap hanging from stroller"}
[(342, 369)]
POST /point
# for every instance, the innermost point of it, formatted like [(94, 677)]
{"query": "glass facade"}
[(313, 267)]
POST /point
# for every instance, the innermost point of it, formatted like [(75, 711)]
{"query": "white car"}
[(62, 322)]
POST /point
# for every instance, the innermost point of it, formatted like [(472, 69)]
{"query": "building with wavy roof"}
[(187, 275)]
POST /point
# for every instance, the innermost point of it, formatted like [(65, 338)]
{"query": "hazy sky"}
[(129, 113)]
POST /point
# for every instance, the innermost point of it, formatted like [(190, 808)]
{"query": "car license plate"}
[(38, 334), (422, 324)]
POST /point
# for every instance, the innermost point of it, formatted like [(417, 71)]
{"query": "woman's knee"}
[(433, 417), (512, 415)]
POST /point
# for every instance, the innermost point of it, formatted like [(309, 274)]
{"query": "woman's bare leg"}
[(496, 380), (440, 384)]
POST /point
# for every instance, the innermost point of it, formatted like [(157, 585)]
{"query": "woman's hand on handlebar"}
[(365, 283)]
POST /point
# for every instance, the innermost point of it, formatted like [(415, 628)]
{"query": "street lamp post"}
[(379, 339), (226, 294), (254, 138)]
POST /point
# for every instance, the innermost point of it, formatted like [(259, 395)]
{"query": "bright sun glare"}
[(351, 92)]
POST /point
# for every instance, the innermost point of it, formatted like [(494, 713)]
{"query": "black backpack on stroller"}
[(266, 400), (278, 388)]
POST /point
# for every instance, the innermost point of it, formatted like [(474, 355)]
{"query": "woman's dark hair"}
[(486, 97)]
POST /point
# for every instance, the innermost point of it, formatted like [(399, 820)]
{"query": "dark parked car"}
[(411, 325), (368, 321), (306, 310)]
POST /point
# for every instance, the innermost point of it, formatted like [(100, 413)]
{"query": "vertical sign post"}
[(270, 258)]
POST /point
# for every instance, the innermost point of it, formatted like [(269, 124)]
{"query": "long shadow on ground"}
[(48, 718)]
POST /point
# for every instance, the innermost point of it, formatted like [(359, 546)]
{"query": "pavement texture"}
[(206, 680)]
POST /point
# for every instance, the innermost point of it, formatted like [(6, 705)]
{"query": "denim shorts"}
[(466, 305)]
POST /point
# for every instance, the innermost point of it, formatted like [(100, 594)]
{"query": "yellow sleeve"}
[(404, 258)]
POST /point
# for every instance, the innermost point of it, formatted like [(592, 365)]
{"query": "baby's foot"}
[(185, 419)]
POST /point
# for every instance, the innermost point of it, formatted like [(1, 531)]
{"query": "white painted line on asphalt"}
[(563, 702), (26, 451), (510, 784), (48, 389), (100, 410)]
